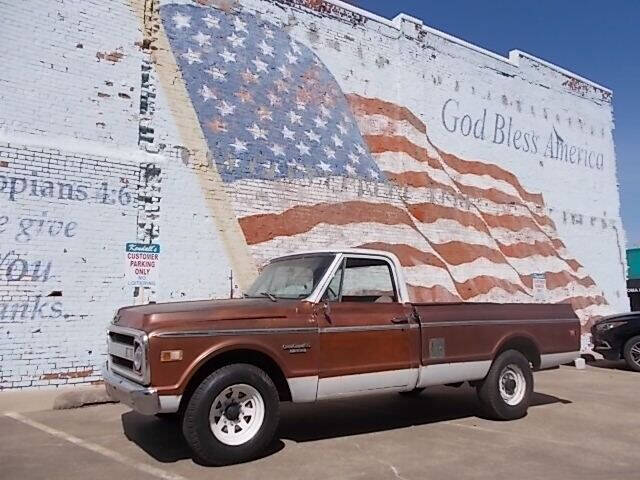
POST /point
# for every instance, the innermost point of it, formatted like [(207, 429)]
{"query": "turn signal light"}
[(170, 355)]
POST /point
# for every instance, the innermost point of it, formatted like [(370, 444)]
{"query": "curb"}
[(62, 398), (82, 397)]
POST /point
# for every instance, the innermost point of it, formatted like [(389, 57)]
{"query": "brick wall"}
[(102, 143)]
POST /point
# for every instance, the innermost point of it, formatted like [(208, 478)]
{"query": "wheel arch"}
[(239, 354), (524, 344)]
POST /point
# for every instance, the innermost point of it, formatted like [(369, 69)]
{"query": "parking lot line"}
[(94, 447)]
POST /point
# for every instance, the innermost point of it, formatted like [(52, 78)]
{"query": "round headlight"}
[(137, 357)]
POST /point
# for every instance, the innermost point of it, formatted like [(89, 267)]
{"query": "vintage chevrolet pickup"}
[(319, 325)]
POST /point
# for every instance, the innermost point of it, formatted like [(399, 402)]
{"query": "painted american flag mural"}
[(337, 169)]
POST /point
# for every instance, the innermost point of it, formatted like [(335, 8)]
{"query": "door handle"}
[(399, 320)]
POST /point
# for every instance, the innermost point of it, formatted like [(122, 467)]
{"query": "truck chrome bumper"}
[(142, 399)]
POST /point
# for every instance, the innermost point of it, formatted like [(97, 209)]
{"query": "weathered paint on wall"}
[(229, 133)]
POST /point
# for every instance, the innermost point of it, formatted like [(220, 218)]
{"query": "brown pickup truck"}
[(321, 325)]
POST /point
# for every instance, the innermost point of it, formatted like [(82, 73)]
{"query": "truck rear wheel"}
[(232, 416), (632, 353), (506, 390)]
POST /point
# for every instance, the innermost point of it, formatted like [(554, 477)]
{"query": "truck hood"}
[(186, 315)]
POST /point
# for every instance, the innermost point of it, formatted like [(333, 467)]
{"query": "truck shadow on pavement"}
[(162, 438)]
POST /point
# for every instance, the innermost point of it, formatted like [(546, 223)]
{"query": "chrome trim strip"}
[(443, 373), (366, 383), (238, 331), (549, 360), (368, 328), (463, 323), (303, 389)]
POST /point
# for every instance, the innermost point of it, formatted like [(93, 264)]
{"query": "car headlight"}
[(603, 327), (138, 357)]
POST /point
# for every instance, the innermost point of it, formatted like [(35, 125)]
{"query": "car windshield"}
[(294, 277)]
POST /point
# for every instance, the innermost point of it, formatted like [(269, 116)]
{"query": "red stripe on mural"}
[(409, 256), (430, 213), (263, 227), (483, 284), (435, 294), (418, 180), (479, 168), (396, 143), (362, 106), (457, 253)]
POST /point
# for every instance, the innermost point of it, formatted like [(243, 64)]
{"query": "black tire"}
[(412, 393), (632, 344), (207, 448), (513, 364)]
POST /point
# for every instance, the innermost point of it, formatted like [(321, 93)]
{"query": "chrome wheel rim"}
[(635, 353), (237, 414), (512, 384)]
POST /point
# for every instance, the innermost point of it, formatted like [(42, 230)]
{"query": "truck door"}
[(364, 331)]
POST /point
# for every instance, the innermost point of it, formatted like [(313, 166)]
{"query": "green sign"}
[(633, 263)]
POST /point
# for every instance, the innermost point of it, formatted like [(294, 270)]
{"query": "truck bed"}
[(473, 332)]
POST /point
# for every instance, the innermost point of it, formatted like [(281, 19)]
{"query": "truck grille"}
[(121, 344)]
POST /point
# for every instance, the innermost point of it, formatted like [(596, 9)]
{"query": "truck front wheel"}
[(232, 416), (506, 390)]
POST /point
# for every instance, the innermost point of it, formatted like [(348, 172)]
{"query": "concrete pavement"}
[(585, 424)]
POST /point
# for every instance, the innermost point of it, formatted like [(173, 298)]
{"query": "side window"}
[(367, 280)]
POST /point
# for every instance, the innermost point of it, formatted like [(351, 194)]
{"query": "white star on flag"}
[(260, 65), (373, 173), (336, 140), (295, 118), (325, 167), (239, 146), (286, 133), (266, 49), (277, 150), (273, 99), (265, 114), (240, 26), (226, 109), (228, 56), (211, 22), (257, 132), (217, 73), (350, 169), (353, 158), (303, 148), (342, 128), (191, 56), (181, 21), (320, 123), (236, 41), (291, 58), (360, 150), (313, 136), (207, 94), (330, 153), (202, 39)]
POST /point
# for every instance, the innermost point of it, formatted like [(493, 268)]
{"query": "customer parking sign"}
[(142, 264)]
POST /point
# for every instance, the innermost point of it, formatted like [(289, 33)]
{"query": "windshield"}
[(295, 277)]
